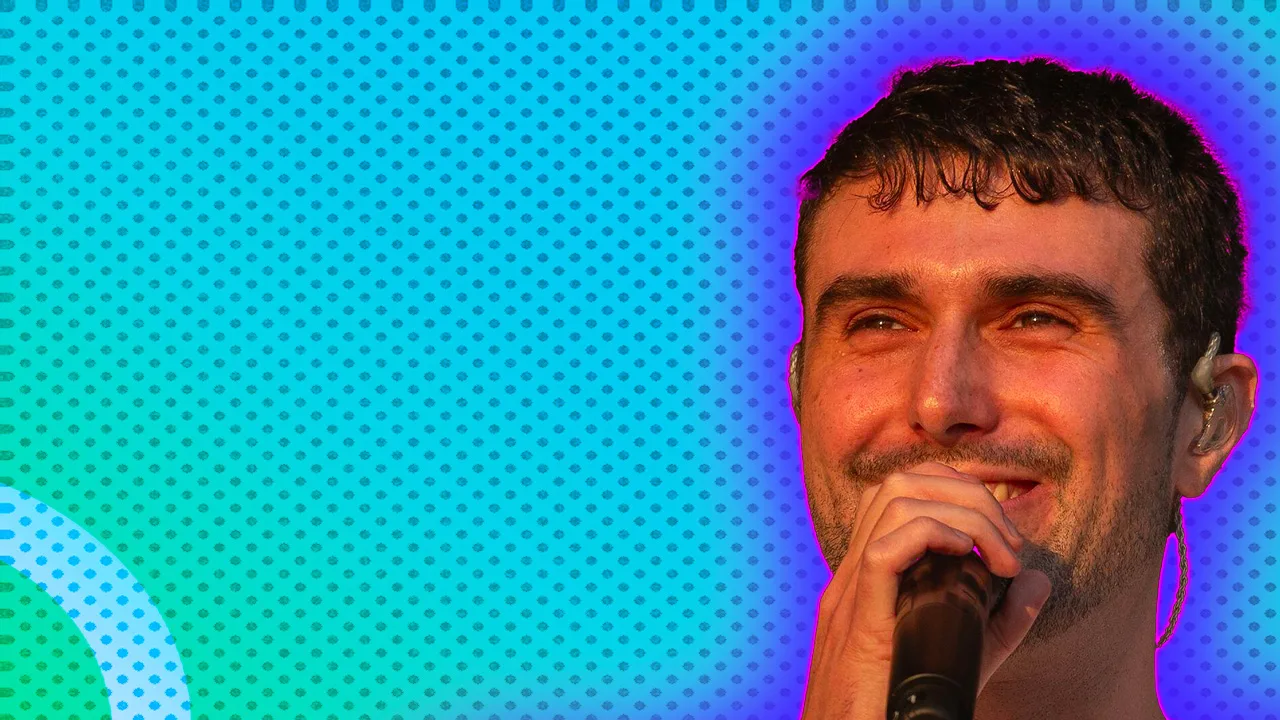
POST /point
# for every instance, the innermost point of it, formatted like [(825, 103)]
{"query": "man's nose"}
[(952, 395)]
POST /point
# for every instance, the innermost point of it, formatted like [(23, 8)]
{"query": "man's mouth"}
[(1004, 483), (1003, 491)]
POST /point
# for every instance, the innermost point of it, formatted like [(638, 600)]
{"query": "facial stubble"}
[(1102, 565), (1084, 568)]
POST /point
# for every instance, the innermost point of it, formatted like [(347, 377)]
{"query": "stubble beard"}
[(1084, 568), (1103, 565)]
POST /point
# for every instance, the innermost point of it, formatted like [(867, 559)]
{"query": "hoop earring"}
[(1183, 574)]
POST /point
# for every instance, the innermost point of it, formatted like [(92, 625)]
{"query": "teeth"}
[(1005, 491)]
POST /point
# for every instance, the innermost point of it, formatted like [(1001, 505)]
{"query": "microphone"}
[(944, 602)]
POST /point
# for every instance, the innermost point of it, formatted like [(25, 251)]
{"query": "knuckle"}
[(902, 485), (881, 552), (876, 556), (930, 525), (900, 507), (896, 483)]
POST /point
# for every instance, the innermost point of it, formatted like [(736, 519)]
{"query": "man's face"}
[(1021, 343)]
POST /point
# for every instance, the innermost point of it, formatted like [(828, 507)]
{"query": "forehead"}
[(952, 243)]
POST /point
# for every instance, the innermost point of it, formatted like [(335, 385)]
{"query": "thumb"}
[(1008, 626)]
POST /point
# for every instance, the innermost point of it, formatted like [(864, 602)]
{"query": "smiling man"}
[(1013, 275)]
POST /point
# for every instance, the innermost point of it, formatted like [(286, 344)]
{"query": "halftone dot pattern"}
[(47, 669), (427, 359), (129, 639)]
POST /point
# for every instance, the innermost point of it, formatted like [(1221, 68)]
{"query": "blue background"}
[(428, 360)]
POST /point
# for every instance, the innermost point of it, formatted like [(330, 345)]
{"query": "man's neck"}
[(1101, 669)]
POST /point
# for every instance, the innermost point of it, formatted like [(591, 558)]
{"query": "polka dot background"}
[(425, 360), (123, 629), (46, 662)]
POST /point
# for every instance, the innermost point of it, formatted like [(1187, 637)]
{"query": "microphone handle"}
[(944, 602)]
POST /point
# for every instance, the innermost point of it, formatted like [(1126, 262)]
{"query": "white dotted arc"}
[(129, 638)]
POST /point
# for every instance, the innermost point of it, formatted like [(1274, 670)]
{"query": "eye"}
[(1039, 319), (876, 322)]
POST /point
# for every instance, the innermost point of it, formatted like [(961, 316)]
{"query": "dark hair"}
[(1053, 132)]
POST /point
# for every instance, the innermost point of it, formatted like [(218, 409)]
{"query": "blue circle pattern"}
[(130, 639)]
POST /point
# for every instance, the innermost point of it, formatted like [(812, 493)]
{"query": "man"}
[(1010, 273)]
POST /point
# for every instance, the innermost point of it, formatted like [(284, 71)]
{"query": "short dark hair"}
[(1053, 132)]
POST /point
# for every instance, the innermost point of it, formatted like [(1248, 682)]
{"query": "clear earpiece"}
[(1219, 419), (1219, 402), (1202, 373)]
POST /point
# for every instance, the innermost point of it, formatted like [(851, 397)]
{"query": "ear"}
[(1204, 439)]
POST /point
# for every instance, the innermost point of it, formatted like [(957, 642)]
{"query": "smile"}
[(1003, 491)]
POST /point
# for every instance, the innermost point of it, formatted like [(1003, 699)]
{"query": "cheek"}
[(1108, 418), (1075, 388), (849, 407), (1121, 401), (1066, 400), (847, 411)]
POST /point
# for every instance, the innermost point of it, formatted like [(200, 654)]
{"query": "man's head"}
[(1016, 266)]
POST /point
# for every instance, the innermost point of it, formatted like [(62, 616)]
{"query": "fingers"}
[(853, 667), (928, 481), (928, 507), (876, 596), (1000, 555), (1009, 625), (893, 553), (952, 486)]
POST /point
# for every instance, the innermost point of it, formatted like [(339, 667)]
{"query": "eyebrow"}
[(902, 287), (1058, 285), (852, 288)]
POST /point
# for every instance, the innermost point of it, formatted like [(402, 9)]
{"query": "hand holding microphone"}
[(930, 507)]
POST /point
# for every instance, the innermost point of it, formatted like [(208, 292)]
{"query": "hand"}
[(928, 507)]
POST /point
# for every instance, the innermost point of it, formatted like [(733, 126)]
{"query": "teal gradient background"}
[(427, 361)]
